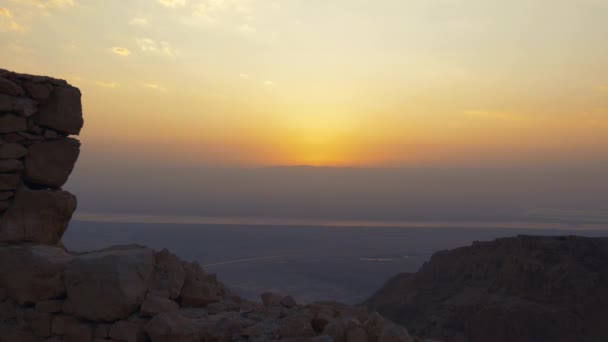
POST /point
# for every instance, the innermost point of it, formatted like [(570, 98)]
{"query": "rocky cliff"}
[(122, 293), (512, 289)]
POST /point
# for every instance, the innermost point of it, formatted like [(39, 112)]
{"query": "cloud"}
[(155, 86), (603, 89), (138, 22), (151, 46), (269, 83), (121, 51), (172, 3), (244, 76), (7, 22), (110, 85), (47, 3)]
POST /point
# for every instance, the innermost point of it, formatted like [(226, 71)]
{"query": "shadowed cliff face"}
[(37, 114), (120, 293), (512, 289)]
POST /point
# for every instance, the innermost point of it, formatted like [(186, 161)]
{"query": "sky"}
[(342, 83)]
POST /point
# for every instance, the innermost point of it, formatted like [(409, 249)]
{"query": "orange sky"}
[(337, 83)]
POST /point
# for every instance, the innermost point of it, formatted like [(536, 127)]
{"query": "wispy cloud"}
[(155, 86), (138, 22), (269, 83), (47, 3), (7, 22), (244, 76), (121, 51), (497, 115), (110, 85), (172, 3), (151, 46)]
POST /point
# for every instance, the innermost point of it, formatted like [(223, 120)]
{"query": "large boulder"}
[(110, 284), (173, 326), (33, 273), (12, 123), (12, 150), (200, 289), (66, 102), (50, 163), (40, 216)]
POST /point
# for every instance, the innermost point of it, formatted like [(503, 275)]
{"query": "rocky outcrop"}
[(524, 288), (121, 293), (36, 156)]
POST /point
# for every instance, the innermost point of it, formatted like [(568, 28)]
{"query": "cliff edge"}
[(525, 288)]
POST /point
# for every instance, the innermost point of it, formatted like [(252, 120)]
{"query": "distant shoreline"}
[(193, 220)]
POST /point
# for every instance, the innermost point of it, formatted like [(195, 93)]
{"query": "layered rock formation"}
[(513, 289), (122, 293)]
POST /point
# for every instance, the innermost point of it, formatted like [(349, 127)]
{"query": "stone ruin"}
[(122, 293)]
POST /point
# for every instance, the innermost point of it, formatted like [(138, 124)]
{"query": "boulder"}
[(12, 123), (153, 305), (335, 330), (40, 216), (9, 87), (5, 195), (38, 91), (72, 329), (20, 105), (127, 331), (12, 151), (50, 163), (110, 284), (10, 165), (173, 326), (199, 289), (9, 181), (168, 277), (33, 273), (271, 298), (63, 111)]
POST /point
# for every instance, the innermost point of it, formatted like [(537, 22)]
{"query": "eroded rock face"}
[(33, 273), (36, 156), (108, 285), (39, 216), (526, 288)]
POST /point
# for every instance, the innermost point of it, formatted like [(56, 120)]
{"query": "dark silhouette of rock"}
[(524, 288)]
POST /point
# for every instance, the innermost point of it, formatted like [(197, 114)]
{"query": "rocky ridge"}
[(525, 288), (121, 293)]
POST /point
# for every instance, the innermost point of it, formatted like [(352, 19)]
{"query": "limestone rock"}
[(9, 87), (199, 289), (38, 91), (153, 305), (110, 284), (63, 111), (33, 273), (12, 123), (51, 162), (9, 181), (10, 165), (173, 326), (12, 151), (168, 277), (127, 331), (72, 329), (271, 298), (39, 216), (21, 105)]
